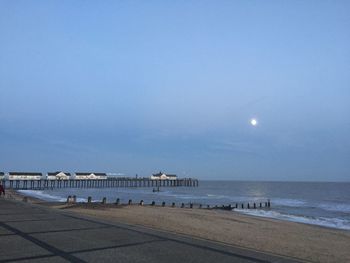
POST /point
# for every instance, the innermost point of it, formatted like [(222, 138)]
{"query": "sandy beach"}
[(300, 241)]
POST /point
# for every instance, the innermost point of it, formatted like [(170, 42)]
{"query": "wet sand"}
[(300, 241)]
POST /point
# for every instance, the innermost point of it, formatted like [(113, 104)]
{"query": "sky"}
[(136, 87)]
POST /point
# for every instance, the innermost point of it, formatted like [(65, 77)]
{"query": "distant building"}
[(2, 175), (58, 176), (25, 176), (84, 176), (163, 176)]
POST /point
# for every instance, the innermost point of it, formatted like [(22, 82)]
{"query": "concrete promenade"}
[(33, 233)]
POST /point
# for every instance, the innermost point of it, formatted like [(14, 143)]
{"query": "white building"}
[(163, 176), (85, 176), (25, 176), (58, 176)]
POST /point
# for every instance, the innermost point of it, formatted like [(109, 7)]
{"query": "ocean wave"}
[(335, 207), (289, 202), (320, 221), (231, 198), (47, 197)]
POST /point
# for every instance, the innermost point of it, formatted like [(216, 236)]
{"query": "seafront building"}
[(59, 175), (86, 176), (163, 176), (25, 176)]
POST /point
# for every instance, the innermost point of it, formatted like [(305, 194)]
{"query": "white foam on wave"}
[(333, 207), (47, 197), (289, 202), (345, 208), (320, 221)]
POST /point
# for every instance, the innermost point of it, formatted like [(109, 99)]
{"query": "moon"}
[(253, 122)]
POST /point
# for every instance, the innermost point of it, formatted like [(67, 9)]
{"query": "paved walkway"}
[(32, 233)]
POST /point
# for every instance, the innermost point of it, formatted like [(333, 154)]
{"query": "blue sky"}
[(142, 86)]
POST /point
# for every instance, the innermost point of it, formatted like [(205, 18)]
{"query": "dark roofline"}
[(169, 175), (91, 173), (24, 173), (56, 173)]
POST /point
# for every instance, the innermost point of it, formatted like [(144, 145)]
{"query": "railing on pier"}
[(98, 183)]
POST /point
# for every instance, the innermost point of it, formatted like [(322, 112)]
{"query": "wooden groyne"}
[(98, 183), (247, 205)]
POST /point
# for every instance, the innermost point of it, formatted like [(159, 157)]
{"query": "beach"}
[(290, 239)]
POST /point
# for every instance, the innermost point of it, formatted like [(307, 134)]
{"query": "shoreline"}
[(298, 240), (264, 212)]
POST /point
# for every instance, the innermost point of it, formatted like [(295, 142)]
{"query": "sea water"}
[(323, 204)]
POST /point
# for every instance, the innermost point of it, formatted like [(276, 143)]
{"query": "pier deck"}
[(97, 183)]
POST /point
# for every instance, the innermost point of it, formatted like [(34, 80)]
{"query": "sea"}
[(317, 203)]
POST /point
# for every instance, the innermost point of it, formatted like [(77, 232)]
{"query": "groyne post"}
[(104, 200), (117, 201), (89, 199)]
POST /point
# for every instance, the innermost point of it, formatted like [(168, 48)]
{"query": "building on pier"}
[(25, 176), (163, 176), (85, 176), (59, 175)]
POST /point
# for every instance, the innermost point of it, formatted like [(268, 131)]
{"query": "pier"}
[(121, 182)]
